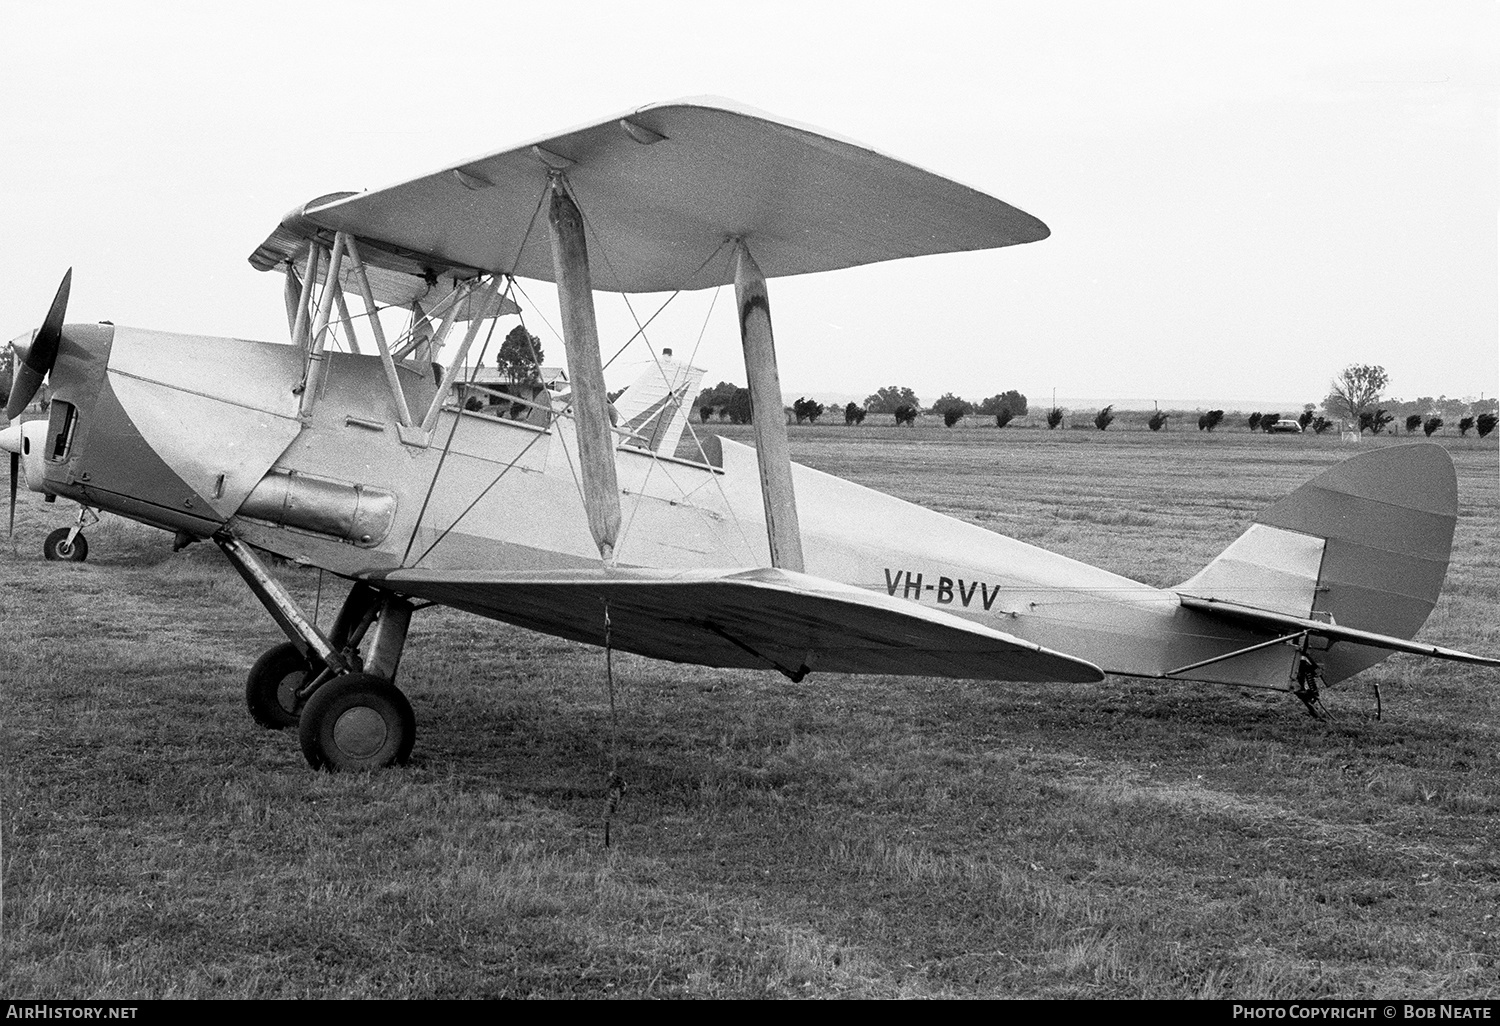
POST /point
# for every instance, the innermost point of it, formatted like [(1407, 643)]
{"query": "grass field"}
[(868, 837)]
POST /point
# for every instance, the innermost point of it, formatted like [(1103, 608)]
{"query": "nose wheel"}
[(66, 545)]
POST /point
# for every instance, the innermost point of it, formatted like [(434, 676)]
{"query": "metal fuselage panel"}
[(178, 431)]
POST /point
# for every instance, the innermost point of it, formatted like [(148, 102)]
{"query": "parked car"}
[(1285, 427)]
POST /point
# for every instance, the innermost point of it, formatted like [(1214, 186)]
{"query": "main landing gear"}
[(337, 690)]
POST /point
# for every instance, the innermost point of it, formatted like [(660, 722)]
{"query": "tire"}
[(357, 722), (56, 546), (270, 689)]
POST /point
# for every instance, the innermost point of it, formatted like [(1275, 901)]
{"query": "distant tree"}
[(1433, 423), (1464, 425), (1003, 416), (951, 408), (1012, 400), (1054, 418), (520, 356), (1485, 423), (887, 399), (1306, 418), (1268, 421), (905, 414), (1254, 421), (738, 408), (1321, 424), (1158, 421), (807, 409), (1210, 420), (1374, 421), (1357, 387), (474, 404), (854, 414), (716, 399), (1413, 421), (704, 412), (1104, 418)]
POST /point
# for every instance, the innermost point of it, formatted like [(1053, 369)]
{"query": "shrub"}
[(1485, 423), (807, 409), (854, 414), (1413, 422), (952, 415), (906, 414), (1268, 421), (1104, 418), (1210, 420), (1158, 421), (1464, 425), (1254, 421), (1433, 423), (1003, 417), (1321, 424), (1054, 418)]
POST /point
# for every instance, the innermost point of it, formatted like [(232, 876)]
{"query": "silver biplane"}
[(558, 516)]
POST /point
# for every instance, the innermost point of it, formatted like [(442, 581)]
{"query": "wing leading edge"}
[(754, 619)]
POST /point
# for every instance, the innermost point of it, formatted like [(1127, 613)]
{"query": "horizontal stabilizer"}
[(1285, 624), (755, 619), (666, 187)]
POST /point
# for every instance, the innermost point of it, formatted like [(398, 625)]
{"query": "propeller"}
[(12, 441), (34, 364)]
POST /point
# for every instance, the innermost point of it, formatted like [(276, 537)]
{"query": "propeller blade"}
[(41, 354), (15, 470)]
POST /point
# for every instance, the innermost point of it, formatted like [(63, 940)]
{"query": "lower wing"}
[(761, 619)]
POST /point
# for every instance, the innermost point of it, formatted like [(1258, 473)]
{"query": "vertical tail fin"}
[(655, 407)]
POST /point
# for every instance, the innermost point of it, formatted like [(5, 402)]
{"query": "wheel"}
[(271, 688), (357, 722), (58, 547)]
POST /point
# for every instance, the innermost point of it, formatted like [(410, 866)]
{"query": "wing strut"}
[(575, 296), (771, 452)]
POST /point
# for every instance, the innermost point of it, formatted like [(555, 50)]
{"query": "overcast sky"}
[(1243, 197)]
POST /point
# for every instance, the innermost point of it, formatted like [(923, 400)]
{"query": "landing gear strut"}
[(337, 689)]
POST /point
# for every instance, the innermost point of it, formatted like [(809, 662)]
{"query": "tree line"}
[(1354, 401)]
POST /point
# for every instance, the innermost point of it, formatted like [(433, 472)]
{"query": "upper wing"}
[(662, 188), (759, 619), (397, 276)]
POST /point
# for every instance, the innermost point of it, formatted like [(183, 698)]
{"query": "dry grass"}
[(861, 837)]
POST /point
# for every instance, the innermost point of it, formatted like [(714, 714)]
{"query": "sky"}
[(1244, 197)]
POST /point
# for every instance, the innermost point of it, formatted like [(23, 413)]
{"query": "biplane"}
[(364, 447)]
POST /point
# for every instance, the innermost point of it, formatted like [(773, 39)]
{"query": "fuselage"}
[(200, 435)]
